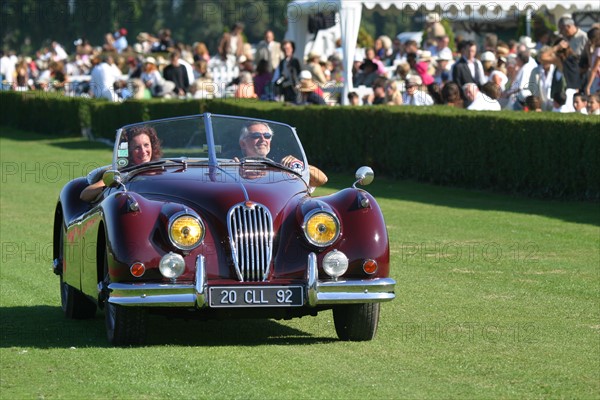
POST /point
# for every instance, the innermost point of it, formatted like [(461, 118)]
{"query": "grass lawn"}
[(497, 297)]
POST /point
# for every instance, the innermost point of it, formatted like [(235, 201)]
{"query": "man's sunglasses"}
[(258, 135)]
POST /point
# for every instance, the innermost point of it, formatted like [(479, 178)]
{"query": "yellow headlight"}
[(186, 232), (322, 228)]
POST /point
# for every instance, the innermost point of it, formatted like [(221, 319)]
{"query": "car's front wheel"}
[(125, 326), (356, 322)]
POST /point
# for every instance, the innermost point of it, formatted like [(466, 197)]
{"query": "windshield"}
[(209, 139)]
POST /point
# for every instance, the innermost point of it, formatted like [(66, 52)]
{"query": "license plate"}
[(256, 296)]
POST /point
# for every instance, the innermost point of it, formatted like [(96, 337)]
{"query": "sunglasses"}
[(258, 135)]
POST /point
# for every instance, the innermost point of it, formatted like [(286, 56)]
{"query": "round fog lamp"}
[(335, 264), (171, 265)]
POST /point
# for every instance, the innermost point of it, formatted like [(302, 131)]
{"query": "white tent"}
[(350, 12)]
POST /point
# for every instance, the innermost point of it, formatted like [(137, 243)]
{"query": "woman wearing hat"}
[(308, 94), (314, 66), (154, 81), (443, 66), (367, 75)]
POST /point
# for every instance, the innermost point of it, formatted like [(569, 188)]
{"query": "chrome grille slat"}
[(254, 244), (259, 239), (251, 238)]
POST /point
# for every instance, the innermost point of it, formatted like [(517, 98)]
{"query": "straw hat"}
[(502, 51), (313, 54), (527, 41), (307, 85), (425, 55), (142, 37)]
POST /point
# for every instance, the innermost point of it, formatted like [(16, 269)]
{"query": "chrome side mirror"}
[(112, 178), (364, 176)]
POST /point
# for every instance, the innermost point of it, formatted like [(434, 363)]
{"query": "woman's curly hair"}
[(151, 133)]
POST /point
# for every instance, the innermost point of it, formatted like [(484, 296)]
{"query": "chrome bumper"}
[(317, 292), (162, 295), (345, 292)]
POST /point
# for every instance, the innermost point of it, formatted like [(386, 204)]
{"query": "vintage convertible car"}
[(212, 216)]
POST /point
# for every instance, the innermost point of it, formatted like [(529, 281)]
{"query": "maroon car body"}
[(204, 231)]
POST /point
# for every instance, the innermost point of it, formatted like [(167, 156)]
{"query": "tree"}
[(27, 25), (540, 25)]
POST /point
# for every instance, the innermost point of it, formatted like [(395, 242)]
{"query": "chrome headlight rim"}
[(311, 215), (175, 217)]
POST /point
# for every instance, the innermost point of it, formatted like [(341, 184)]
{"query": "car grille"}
[(251, 237)]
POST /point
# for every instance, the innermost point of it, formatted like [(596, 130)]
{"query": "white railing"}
[(222, 74)]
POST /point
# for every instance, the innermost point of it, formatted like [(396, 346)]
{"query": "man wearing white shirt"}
[(413, 96), (519, 89), (484, 99), (102, 82)]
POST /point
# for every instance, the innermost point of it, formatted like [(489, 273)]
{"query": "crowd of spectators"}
[(560, 73)]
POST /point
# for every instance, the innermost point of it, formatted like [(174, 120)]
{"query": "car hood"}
[(216, 190)]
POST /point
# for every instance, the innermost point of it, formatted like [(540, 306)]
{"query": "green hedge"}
[(541, 154), (56, 114), (49, 113)]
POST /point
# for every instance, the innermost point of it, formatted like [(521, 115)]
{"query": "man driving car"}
[(255, 141)]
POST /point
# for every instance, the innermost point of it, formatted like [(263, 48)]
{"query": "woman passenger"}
[(143, 146)]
